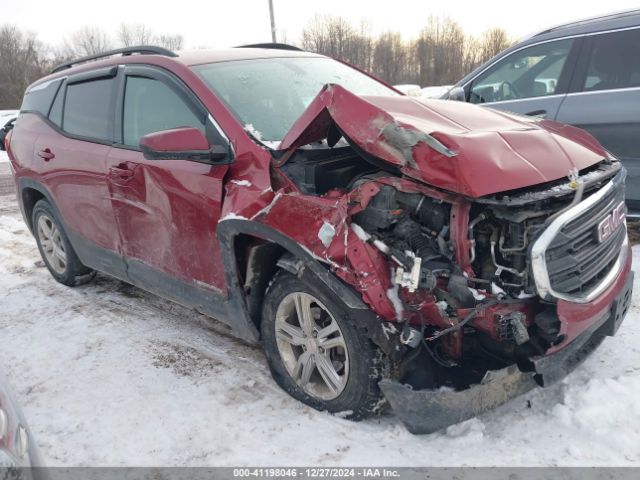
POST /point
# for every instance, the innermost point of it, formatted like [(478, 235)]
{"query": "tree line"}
[(441, 54), (24, 58)]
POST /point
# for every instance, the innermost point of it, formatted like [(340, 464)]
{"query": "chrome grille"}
[(569, 260)]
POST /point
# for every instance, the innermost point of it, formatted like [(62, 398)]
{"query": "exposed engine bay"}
[(489, 309), (490, 248), (464, 294)]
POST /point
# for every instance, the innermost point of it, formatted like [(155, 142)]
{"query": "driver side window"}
[(151, 106), (531, 72)]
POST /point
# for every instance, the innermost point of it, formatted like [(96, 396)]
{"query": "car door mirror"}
[(457, 94), (183, 143)]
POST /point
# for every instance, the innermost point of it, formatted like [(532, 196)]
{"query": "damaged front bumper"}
[(427, 411)]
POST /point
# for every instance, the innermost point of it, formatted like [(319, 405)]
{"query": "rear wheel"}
[(317, 354), (56, 250)]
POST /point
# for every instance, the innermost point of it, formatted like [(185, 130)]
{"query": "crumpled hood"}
[(463, 148)]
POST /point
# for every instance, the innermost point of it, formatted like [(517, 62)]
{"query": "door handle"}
[(123, 173), (537, 113), (46, 154)]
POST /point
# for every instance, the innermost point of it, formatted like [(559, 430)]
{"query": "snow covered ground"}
[(110, 375), (5, 115)]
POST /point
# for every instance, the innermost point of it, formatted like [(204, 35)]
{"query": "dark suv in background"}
[(585, 73)]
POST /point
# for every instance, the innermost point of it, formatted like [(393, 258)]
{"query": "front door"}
[(531, 81), (167, 210)]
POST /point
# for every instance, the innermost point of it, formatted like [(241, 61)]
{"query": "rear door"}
[(604, 99), (530, 81), (167, 210), (71, 155)]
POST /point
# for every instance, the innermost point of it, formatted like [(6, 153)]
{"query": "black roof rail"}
[(141, 49), (274, 46), (588, 20)]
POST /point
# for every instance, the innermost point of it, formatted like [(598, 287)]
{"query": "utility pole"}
[(273, 22)]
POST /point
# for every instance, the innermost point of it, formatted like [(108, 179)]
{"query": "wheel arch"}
[(31, 192), (254, 251)]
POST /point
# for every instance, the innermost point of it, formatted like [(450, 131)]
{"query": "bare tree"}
[(88, 41), (21, 63), (130, 34), (336, 37), (390, 59), (472, 54), (439, 52), (494, 41), (171, 42)]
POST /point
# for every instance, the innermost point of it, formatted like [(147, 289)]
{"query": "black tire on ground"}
[(360, 396), (73, 273)]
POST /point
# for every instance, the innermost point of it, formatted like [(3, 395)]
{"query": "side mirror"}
[(456, 94), (183, 143)]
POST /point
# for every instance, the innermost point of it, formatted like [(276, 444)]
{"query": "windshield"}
[(268, 95)]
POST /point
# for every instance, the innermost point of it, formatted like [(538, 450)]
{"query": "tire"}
[(346, 366), (55, 249)]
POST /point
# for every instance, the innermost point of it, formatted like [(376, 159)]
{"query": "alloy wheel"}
[(52, 244), (312, 346)]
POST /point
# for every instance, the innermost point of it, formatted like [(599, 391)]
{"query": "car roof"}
[(199, 57), (611, 21), (188, 58)]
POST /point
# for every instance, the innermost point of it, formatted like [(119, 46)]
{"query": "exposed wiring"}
[(470, 316)]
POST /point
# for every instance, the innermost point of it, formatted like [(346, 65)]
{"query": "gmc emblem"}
[(611, 222)]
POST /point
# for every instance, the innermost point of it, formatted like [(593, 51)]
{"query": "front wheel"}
[(317, 353)]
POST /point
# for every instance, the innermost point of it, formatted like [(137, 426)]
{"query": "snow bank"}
[(6, 115), (110, 375)]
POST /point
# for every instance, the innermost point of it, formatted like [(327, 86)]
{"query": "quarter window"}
[(614, 62), (152, 106), (531, 72), (87, 109), (39, 98)]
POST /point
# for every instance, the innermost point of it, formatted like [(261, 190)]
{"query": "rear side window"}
[(87, 109), (40, 97), (614, 62), (152, 106)]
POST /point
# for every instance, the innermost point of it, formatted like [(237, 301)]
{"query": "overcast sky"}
[(226, 23)]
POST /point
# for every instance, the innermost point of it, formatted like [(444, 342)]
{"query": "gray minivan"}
[(586, 73)]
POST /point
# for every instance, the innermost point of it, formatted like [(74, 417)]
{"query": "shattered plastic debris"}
[(442, 306), (326, 234), (496, 290), (477, 295), (523, 295), (392, 295), (241, 183), (359, 231)]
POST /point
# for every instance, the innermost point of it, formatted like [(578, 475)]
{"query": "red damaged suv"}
[(381, 248)]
